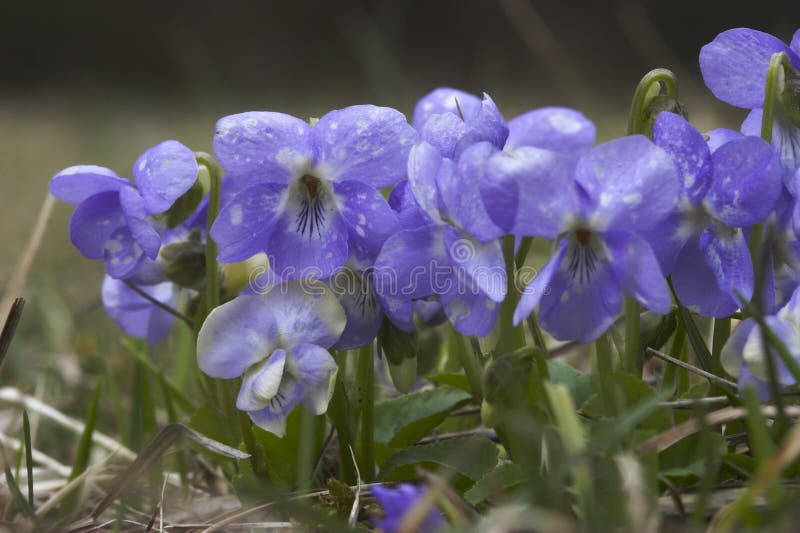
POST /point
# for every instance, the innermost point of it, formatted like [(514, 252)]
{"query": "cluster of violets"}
[(362, 219)]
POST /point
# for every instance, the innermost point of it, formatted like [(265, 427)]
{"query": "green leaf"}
[(402, 421), (499, 481), (185, 205), (456, 381), (695, 338), (683, 464), (471, 457), (581, 386), (628, 392)]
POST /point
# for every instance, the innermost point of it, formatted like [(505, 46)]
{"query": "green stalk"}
[(212, 268), (722, 330), (469, 355), (509, 337), (366, 378), (643, 95), (630, 359), (777, 62), (602, 350), (339, 413), (305, 454)]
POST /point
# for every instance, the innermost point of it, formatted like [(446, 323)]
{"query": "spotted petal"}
[(445, 100), (163, 173), (243, 227), (689, 151), (369, 218), (554, 128), (469, 309), (424, 165), (364, 143), (638, 270), (93, 222), (122, 254), (273, 147), (630, 183), (136, 216), (76, 184), (734, 65), (746, 182)]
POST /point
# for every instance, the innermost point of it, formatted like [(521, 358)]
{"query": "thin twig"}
[(351, 521), (14, 316), (161, 305), (700, 372)]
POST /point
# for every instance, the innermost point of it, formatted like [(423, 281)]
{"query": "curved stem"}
[(777, 63), (161, 305), (668, 86), (212, 269)]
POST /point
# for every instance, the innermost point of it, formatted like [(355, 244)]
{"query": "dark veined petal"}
[(122, 254), (243, 227), (370, 220), (629, 183), (533, 293), (689, 151), (261, 382), (354, 290), (638, 270), (364, 143), (584, 296), (310, 236), (267, 146), (136, 315), (734, 65), (306, 311), (554, 128), (527, 191), (746, 182), (93, 222), (314, 368), (443, 100), (273, 417), (163, 173), (76, 184)]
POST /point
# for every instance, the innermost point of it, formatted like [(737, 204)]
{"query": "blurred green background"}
[(99, 82)]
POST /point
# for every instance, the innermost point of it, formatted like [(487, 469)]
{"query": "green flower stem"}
[(212, 268), (509, 337), (366, 378), (339, 413), (469, 354), (722, 330), (777, 63), (602, 350), (656, 82), (630, 358)]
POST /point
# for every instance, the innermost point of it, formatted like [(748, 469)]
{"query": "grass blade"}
[(26, 430), (20, 502), (85, 445)]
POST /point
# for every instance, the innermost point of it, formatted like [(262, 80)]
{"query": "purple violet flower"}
[(398, 502), (277, 342), (135, 314), (594, 208), (114, 217), (702, 244), (308, 194)]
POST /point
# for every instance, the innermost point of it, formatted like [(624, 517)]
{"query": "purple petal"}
[(638, 270), (444, 132), (364, 314), (746, 182), (400, 311), (261, 382), (795, 44), (668, 237), (430, 312), (540, 285), (480, 264), (315, 370), (369, 218), (785, 139), (527, 191), (460, 192), (409, 213), (93, 222), (364, 143), (487, 126), (469, 309), (721, 136), (76, 184), (273, 417), (734, 65), (310, 236), (443, 100), (236, 335), (696, 285), (275, 147), (580, 306), (163, 173), (728, 256), (122, 254), (689, 151), (630, 183), (424, 165), (413, 264), (306, 311), (136, 315), (396, 503), (243, 227), (554, 128), (136, 216)]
